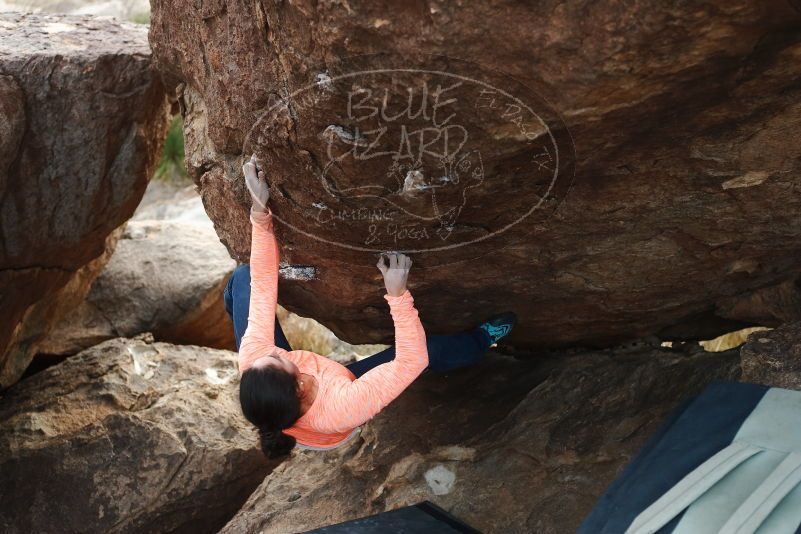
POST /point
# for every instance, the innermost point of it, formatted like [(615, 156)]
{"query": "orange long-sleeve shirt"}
[(343, 402)]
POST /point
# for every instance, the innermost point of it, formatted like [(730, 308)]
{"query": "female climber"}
[(298, 397)]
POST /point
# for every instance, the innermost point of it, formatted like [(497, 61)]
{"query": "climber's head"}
[(277, 361), (270, 400)]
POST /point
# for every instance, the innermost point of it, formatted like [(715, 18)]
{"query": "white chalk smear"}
[(213, 376), (140, 362), (334, 130), (58, 27), (324, 80), (440, 479), (298, 272)]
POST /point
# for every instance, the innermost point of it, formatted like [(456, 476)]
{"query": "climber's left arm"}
[(358, 401)]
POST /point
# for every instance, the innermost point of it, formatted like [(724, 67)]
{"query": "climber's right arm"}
[(259, 337)]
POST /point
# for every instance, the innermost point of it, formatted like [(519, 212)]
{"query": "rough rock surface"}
[(680, 205), (166, 277), (508, 446), (774, 358), (40, 318), (82, 122), (128, 436)]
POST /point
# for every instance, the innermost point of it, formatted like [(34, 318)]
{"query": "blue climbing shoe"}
[(499, 326)]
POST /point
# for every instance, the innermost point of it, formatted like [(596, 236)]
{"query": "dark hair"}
[(269, 399)]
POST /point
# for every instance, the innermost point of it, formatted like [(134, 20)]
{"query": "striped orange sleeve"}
[(259, 337), (358, 401)]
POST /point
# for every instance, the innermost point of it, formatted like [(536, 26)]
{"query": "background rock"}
[(683, 117), (307, 334), (127, 10), (128, 436), (83, 123), (166, 277), (507, 446), (774, 358)]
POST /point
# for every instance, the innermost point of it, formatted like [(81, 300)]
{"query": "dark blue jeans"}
[(445, 353)]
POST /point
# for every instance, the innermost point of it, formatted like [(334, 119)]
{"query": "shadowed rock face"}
[(774, 358), (128, 436), (508, 446), (678, 203), (82, 121)]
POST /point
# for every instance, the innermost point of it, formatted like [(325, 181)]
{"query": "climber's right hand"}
[(396, 273), (256, 182)]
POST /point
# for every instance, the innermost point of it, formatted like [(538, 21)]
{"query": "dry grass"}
[(731, 340)]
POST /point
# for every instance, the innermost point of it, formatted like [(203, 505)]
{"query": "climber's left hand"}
[(396, 272), (256, 182)]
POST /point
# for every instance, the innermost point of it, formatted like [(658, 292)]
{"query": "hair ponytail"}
[(269, 400), (274, 442)]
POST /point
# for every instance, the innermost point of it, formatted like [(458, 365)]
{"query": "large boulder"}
[(166, 277), (128, 436), (507, 446), (675, 125), (82, 122)]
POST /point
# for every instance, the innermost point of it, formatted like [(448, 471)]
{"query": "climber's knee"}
[(242, 270), (241, 275)]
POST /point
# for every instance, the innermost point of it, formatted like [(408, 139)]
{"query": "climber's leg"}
[(237, 303), (362, 366), (446, 353)]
